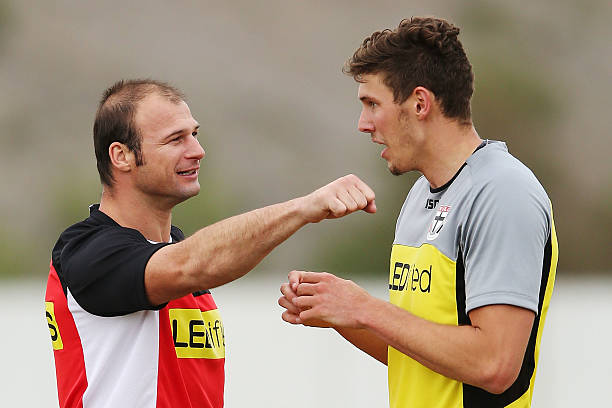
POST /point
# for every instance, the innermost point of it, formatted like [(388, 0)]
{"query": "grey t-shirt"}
[(495, 216), (486, 237)]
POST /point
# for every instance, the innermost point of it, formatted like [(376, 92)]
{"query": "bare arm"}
[(366, 341), (487, 354), (230, 248)]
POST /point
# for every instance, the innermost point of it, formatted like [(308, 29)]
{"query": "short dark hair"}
[(115, 119), (422, 51)]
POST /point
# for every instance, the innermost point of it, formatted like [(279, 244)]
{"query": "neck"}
[(139, 213), (451, 145)]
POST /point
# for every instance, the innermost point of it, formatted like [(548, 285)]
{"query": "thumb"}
[(371, 207), (294, 279)]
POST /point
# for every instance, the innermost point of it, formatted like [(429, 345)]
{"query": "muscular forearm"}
[(488, 353), (475, 355), (443, 349), (230, 248), (221, 252), (225, 251)]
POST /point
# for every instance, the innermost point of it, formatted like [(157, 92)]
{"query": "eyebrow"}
[(367, 98)]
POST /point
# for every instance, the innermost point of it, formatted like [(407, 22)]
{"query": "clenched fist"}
[(322, 300), (337, 199)]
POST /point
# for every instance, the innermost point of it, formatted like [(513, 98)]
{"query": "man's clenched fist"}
[(337, 199)]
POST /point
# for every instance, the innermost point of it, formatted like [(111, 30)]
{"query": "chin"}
[(191, 193), (185, 194), (395, 171)]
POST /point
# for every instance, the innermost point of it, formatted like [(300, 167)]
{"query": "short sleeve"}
[(104, 271), (504, 241)]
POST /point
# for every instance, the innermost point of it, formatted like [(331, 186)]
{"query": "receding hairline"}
[(135, 91)]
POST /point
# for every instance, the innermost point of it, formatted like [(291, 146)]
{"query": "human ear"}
[(423, 99), (120, 157)]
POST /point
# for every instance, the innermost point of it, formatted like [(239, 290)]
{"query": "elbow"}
[(191, 276), (498, 377), (180, 271)]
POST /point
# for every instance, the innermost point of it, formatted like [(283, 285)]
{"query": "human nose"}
[(365, 123), (195, 151)]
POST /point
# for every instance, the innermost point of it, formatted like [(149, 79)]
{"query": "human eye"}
[(194, 134)]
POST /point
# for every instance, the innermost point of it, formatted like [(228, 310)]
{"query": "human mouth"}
[(374, 140), (188, 172)]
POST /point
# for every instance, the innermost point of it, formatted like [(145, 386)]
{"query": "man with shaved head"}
[(131, 317)]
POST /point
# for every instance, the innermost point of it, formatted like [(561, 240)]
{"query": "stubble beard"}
[(169, 193), (395, 171), (158, 191), (402, 118)]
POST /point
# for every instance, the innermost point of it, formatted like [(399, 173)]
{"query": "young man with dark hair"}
[(131, 317), (474, 257)]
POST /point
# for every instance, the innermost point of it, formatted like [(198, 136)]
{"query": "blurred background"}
[(279, 120)]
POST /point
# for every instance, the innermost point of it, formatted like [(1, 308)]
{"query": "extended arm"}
[(228, 249), (487, 354)]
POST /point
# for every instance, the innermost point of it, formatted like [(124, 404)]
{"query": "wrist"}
[(305, 209), (298, 208), (367, 317)]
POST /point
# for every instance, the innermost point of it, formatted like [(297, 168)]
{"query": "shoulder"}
[(94, 229), (494, 172), (92, 234), (505, 194)]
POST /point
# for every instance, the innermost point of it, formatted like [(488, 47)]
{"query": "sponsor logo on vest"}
[(197, 334), (438, 222), (430, 204), (409, 277), (56, 338)]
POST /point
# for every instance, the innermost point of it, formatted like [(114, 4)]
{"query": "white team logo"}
[(438, 222)]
